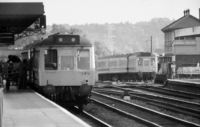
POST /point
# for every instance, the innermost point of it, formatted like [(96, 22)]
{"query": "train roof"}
[(138, 54), (114, 56), (67, 40), (143, 54)]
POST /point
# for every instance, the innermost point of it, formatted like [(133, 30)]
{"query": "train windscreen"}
[(83, 59)]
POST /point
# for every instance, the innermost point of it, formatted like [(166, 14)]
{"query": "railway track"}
[(161, 104), (119, 118), (169, 92), (89, 118), (153, 96), (144, 113), (160, 90)]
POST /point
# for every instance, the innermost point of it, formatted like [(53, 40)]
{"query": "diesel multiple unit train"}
[(129, 67), (62, 67)]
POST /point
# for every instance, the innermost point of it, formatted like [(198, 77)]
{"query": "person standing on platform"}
[(23, 74), (1, 72)]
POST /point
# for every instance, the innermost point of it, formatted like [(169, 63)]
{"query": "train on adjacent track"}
[(128, 67), (62, 67)]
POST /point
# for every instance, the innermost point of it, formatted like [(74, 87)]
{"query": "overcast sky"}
[(113, 11)]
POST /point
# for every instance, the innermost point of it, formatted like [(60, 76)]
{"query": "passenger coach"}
[(127, 67)]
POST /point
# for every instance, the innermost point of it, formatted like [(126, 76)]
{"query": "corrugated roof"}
[(183, 22)]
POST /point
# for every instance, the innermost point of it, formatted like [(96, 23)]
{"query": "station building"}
[(182, 44)]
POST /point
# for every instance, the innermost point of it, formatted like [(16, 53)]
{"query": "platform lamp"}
[(43, 24)]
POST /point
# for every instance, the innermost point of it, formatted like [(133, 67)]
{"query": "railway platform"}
[(25, 108), (187, 85)]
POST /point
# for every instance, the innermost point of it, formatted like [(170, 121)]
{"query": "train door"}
[(34, 66)]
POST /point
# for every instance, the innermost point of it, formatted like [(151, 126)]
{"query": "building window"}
[(50, 59), (190, 38)]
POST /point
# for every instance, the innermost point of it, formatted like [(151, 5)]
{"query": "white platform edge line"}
[(65, 111)]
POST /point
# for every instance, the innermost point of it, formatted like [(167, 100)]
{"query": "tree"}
[(101, 49), (58, 29), (76, 31)]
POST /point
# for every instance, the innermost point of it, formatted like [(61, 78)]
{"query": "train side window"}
[(101, 64), (140, 62), (51, 59), (83, 59)]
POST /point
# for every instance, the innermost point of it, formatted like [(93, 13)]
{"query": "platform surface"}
[(25, 108), (191, 81)]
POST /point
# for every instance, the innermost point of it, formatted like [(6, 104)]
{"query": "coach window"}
[(83, 59), (50, 59), (140, 62)]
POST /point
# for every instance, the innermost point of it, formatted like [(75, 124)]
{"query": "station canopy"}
[(17, 17)]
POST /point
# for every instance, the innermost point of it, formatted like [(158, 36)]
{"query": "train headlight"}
[(85, 82)]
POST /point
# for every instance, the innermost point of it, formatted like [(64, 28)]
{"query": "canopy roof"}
[(16, 17)]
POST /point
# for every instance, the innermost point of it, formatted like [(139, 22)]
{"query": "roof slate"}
[(183, 22)]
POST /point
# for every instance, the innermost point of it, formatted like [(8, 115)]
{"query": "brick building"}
[(182, 42)]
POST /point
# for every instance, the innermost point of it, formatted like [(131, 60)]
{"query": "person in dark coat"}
[(23, 74), (1, 72), (13, 58)]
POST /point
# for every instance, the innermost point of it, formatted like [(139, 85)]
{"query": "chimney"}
[(185, 12)]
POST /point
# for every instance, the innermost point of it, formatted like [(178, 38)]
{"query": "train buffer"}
[(25, 108)]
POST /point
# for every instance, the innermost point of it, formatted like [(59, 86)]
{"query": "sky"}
[(77, 12)]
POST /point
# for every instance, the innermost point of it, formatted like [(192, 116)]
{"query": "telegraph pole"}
[(151, 44), (151, 48), (110, 37)]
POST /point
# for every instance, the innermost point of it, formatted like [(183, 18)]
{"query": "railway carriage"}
[(102, 66), (128, 67), (62, 67), (146, 65)]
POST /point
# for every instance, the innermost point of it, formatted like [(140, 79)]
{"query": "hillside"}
[(115, 38), (124, 37)]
